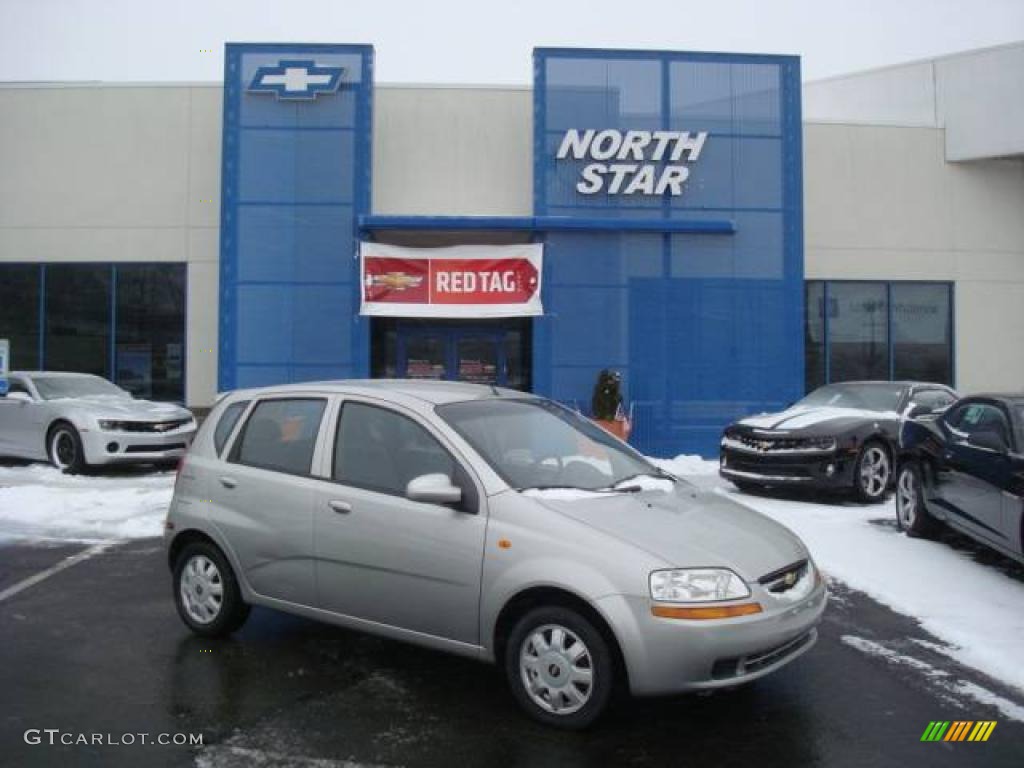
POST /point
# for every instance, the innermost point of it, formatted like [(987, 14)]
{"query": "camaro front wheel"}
[(64, 448), (872, 472), (911, 513), (559, 667)]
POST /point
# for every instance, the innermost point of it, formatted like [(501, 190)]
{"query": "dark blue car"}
[(965, 468)]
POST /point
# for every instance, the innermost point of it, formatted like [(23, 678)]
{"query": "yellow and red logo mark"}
[(394, 281), (958, 730)]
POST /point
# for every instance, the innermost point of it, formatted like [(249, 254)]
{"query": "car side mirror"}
[(989, 440), (435, 488), (20, 397)]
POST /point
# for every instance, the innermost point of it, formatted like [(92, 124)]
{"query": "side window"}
[(380, 450), (227, 422), (975, 418), (280, 435), (933, 399)]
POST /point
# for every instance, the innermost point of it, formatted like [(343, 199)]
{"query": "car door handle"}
[(341, 507), (228, 482)]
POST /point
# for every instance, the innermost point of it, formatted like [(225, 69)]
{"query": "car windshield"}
[(533, 443), (59, 387), (865, 397)]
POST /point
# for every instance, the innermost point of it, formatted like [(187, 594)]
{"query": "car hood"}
[(688, 528), (125, 408), (814, 420)]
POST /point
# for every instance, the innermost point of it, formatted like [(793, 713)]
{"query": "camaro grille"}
[(755, 444), (153, 427)]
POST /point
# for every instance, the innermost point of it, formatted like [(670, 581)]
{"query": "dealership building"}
[(722, 234)]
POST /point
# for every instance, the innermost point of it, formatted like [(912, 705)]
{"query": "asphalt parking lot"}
[(97, 648)]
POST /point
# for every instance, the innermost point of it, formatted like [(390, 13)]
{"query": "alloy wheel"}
[(906, 498), (874, 471), (202, 589), (557, 669), (63, 449)]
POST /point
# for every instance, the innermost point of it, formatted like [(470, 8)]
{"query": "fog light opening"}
[(830, 470), (112, 447)]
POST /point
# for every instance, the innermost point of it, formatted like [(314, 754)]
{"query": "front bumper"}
[(117, 447), (823, 470), (665, 656)]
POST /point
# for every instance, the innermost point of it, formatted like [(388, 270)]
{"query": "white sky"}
[(476, 41)]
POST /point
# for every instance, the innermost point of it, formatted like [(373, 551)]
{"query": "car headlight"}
[(109, 426), (697, 585), (821, 443)]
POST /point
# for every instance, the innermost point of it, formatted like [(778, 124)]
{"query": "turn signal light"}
[(705, 611)]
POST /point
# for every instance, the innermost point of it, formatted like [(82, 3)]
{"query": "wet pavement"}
[(98, 648)]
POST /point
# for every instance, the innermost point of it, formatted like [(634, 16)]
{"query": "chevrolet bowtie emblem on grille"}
[(296, 80), (395, 281)]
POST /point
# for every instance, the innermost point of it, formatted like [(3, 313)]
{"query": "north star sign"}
[(630, 162), (300, 80)]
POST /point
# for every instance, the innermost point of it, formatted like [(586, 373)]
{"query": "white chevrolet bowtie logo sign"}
[(296, 80)]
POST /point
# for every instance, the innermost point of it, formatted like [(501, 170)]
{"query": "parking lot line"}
[(67, 562)]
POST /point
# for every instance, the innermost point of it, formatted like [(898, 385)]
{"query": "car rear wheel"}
[(64, 448), (872, 473), (559, 667), (206, 592), (911, 513)]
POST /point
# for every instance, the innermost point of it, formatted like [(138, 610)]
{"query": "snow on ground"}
[(975, 608), (37, 501)]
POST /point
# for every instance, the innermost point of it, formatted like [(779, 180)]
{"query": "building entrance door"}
[(474, 354)]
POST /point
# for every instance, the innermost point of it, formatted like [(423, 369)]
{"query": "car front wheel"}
[(872, 472), (206, 592), (911, 513), (64, 448), (559, 667)]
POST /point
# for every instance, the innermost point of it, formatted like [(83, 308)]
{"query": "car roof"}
[(54, 374), (428, 391), (1018, 397)]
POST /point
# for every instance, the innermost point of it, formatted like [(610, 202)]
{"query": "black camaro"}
[(839, 437), (966, 468)]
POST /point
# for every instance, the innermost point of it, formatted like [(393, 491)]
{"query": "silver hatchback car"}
[(489, 523)]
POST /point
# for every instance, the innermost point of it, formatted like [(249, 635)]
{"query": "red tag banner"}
[(463, 281)]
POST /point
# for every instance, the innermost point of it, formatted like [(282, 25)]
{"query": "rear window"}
[(227, 422), (281, 435)]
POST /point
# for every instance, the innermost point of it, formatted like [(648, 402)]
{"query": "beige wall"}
[(119, 173), (453, 151), (882, 203)]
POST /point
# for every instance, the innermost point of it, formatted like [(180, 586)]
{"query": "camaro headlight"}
[(821, 443), (697, 585), (110, 426)]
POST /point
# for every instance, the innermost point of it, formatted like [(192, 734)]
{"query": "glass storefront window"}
[(922, 332), (78, 318), (80, 330), (150, 345), (876, 330), (814, 335), (19, 313)]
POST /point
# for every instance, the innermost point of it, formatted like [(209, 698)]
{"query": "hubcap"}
[(874, 471), (62, 449), (202, 590), (906, 498), (556, 669)]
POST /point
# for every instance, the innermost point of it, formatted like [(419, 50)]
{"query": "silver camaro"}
[(489, 523), (76, 420)]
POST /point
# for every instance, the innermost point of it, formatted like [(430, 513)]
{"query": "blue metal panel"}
[(295, 175), (545, 224), (704, 329)]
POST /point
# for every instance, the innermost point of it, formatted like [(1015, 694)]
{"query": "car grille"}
[(784, 579), (754, 444), (736, 461), (155, 448), (157, 427), (739, 666)]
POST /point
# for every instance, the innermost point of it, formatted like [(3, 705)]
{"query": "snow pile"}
[(974, 607), (39, 501), (685, 465)]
